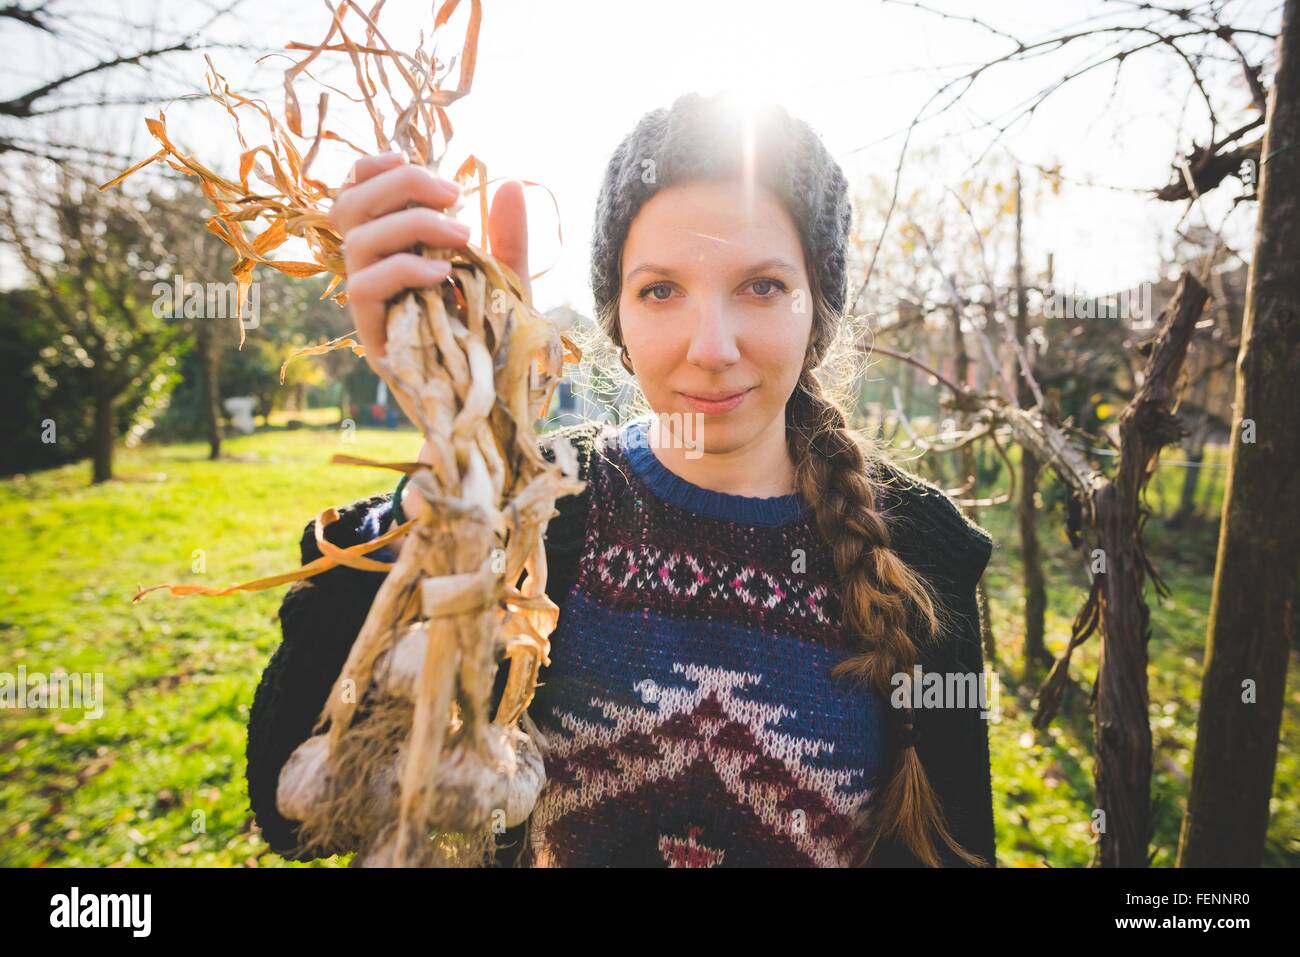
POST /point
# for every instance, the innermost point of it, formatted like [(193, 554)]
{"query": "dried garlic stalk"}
[(413, 770)]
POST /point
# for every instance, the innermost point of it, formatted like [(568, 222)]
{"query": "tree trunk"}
[(1195, 449), (971, 472), (101, 440), (208, 376), (1252, 614), (1031, 560), (968, 473), (1035, 647), (1187, 499), (1123, 730), (1210, 489)]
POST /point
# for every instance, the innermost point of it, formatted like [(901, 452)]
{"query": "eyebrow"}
[(775, 264)]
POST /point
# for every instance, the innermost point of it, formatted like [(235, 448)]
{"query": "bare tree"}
[(95, 50), (1200, 38), (1252, 621), (92, 262), (203, 258), (1035, 652)]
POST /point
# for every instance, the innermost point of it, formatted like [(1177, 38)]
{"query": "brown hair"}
[(882, 599)]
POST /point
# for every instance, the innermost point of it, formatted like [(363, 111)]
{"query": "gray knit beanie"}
[(701, 138)]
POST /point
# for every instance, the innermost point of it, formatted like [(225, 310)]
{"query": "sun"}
[(742, 105)]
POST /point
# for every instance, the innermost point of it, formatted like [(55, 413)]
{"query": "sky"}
[(559, 84)]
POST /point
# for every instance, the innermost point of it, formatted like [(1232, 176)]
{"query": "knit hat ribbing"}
[(702, 138)]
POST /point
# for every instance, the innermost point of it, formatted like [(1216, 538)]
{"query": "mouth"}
[(716, 403)]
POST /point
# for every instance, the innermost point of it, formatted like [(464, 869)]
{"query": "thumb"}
[(508, 230)]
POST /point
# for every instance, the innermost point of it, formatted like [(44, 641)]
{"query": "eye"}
[(776, 283), (648, 290)]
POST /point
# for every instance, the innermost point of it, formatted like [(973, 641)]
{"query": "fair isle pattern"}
[(675, 743), (670, 577), (642, 552), (689, 712)]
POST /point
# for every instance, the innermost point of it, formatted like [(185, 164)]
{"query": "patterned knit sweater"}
[(689, 712)]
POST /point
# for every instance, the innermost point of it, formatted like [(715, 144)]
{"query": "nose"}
[(713, 339)]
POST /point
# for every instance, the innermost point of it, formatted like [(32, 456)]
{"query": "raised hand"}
[(386, 207)]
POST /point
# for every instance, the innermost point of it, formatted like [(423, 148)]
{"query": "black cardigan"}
[(321, 617)]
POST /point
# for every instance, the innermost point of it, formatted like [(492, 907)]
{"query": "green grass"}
[(1043, 786), (159, 779)]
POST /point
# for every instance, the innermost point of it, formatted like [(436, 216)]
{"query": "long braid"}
[(880, 597)]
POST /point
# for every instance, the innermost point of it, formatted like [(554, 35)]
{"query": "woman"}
[(741, 585)]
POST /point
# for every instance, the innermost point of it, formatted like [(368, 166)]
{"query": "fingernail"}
[(450, 185), (439, 265), (462, 230)]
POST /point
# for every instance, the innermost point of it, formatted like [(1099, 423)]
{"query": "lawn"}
[(1042, 781), (159, 778)]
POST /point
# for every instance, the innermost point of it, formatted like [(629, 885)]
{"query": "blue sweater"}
[(689, 712)]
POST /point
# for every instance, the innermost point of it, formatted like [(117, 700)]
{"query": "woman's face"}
[(715, 301)]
